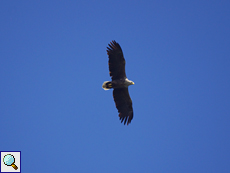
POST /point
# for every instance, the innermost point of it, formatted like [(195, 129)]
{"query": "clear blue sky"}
[(54, 61)]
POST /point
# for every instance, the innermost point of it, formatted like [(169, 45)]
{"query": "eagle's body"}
[(119, 82)]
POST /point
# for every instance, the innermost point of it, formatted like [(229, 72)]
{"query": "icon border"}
[(20, 161)]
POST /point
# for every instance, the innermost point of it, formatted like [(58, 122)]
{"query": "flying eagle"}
[(119, 82)]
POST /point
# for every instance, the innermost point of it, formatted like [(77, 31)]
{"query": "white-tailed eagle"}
[(119, 82)]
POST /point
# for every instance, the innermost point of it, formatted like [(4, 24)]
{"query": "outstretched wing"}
[(123, 104), (116, 61)]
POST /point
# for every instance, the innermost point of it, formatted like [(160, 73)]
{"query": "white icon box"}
[(10, 161)]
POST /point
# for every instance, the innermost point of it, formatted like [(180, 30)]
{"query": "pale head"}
[(128, 82)]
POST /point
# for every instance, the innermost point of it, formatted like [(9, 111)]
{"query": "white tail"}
[(104, 85)]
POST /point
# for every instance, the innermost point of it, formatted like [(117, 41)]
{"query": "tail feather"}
[(107, 85)]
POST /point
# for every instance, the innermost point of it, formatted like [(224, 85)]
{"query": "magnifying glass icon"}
[(9, 160)]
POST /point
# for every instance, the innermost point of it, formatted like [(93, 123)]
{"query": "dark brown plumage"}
[(119, 82), (123, 104), (116, 61)]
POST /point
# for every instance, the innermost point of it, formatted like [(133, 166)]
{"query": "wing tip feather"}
[(127, 119)]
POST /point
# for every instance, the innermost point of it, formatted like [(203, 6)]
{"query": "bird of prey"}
[(119, 82)]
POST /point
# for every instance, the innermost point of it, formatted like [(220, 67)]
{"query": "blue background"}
[(53, 63)]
